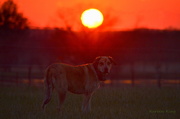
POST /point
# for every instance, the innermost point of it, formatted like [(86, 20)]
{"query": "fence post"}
[(158, 75), (1, 75), (132, 75), (17, 78), (29, 74)]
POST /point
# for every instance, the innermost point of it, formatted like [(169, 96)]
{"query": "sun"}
[(92, 18)]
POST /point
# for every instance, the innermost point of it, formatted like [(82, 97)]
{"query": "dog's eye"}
[(101, 63)]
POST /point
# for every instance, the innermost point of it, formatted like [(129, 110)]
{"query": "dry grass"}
[(107, 103)]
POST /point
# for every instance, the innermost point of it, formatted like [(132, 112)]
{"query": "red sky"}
[(119, 14)]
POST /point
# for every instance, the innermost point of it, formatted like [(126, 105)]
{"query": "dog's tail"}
[(48, 85)]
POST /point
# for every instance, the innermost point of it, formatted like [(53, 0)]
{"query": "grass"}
[(107, 103)]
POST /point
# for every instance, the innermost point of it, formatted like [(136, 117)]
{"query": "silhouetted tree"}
[(10, 18)]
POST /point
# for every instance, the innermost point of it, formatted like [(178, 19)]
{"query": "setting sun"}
[(92, 18)]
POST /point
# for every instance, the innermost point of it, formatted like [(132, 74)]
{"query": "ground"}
[(24, 102)]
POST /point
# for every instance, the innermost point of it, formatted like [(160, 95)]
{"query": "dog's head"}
[(103, 66)]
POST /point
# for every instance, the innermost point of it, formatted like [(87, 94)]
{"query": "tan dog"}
[(82, 79)]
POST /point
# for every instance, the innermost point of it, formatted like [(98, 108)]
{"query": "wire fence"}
[(130, 74)]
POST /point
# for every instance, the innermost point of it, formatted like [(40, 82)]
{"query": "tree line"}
[(11, 18)]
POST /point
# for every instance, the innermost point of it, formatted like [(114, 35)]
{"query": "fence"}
[(132, 74), (19, 74), (147, 73)]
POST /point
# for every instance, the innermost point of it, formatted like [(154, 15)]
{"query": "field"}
[(107, 103)]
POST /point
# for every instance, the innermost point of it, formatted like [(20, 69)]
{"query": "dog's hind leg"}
[(61, 86), (48, 89), (47, 97), (61, 98)]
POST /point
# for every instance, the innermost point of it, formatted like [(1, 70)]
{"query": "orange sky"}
[(119, 14)]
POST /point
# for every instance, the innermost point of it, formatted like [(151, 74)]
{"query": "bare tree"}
[(10, 18)]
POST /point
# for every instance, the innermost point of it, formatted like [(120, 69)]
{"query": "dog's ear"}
[(96, 61), (112, 60)]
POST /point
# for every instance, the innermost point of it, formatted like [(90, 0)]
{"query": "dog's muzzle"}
[(106, 71), (103, 75)]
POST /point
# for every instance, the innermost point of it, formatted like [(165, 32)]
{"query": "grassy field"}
[(107, 103)]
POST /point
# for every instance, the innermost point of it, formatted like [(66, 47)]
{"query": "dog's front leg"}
[(86, 106)]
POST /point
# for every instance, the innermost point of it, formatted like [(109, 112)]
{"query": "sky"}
[(119, 14)]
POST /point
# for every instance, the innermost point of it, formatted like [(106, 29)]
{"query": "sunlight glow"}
[(92, 18)]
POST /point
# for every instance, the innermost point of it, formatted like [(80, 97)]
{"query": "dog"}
[(82, 79)]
